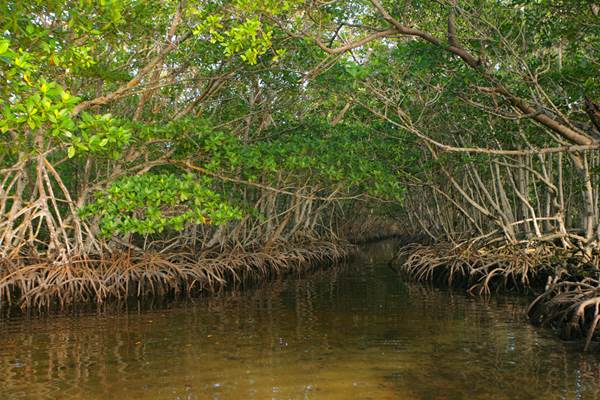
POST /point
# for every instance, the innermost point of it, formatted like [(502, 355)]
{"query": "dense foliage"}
[(130, 121), (168, 146)]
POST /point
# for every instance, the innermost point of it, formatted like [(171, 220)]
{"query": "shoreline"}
[(563, 287), (123, 276)]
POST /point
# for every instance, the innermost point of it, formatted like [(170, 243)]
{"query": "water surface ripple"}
[(352, 332)]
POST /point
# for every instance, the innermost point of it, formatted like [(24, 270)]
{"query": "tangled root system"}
[(573, 308), (569, 282), (479, 269), (30, 283)]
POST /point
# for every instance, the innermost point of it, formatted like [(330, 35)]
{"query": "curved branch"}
[(357, 43)]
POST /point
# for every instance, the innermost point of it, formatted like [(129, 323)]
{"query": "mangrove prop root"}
[(572, 307), (40, 284), (478, 269), (569, 300)]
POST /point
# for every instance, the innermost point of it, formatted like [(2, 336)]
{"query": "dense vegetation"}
[(135, 127), (207, 127)]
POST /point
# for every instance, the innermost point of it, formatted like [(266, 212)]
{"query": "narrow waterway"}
[(355, 331)]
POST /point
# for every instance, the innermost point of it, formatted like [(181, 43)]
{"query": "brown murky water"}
[(352, 332)]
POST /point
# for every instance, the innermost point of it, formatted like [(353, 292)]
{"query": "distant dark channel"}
[(354, 331)]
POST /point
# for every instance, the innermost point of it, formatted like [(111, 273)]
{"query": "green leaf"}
[(4, 46)]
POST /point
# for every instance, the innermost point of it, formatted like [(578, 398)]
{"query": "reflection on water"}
[(351, 332)]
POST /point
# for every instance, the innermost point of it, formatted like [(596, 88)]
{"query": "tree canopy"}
[(129, 122)]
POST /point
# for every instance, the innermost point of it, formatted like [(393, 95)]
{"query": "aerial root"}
[(569, 282), (479, 269), (572, 307), (29, 283)]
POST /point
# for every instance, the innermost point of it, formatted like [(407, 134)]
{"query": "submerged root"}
[(568, 279), (479, 269), (571, 307), (40, 284)]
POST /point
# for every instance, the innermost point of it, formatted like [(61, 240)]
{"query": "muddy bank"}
[(563, 284)]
